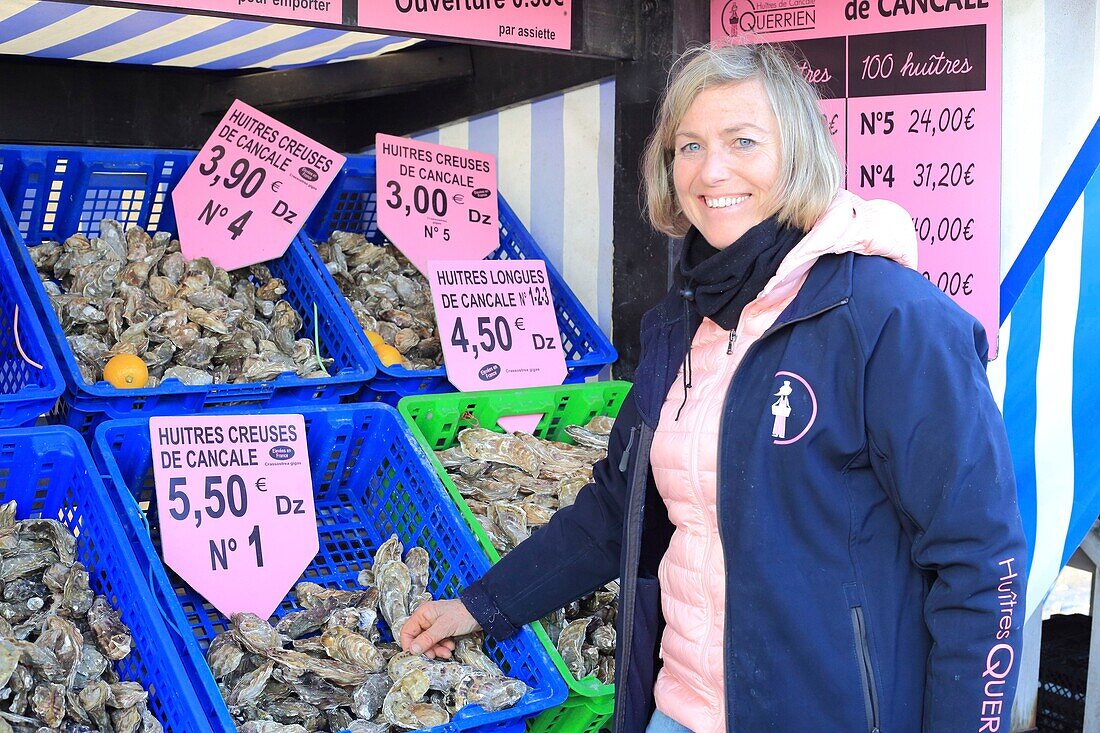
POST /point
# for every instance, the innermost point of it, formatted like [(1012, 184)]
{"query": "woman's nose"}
[(715, 167)]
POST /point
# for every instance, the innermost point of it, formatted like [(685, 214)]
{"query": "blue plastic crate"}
[(55, 192), (370, 480), (50, 473), (25, 391), (349, 205)]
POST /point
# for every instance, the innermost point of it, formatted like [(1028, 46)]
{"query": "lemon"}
[(375, 338), (126, 371), (387, 354)]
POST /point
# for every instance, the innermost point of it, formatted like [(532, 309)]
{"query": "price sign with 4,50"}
[(250, 189), (497, 323), (235, 506), (436, 202)]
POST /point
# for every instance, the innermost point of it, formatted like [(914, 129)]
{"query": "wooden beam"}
[(80, 103), (393, 73), (606, 28)]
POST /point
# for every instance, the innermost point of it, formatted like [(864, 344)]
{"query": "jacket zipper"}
[(625, 460), (866, 673), (718, 497), (633, 549)]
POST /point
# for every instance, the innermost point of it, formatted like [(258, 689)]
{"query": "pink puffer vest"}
[(690, 688)]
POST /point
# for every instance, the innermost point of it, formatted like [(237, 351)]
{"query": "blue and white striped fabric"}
[(1047, 377), (89, 33), (1051, 348)]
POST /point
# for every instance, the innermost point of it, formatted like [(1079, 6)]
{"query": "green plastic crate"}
[(435, 420)]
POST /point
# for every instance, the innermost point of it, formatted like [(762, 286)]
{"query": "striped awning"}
[(78, 32)]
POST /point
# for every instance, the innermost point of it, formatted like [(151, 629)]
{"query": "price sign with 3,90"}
[(235, 506), (250, 189), (497, 323), (436, 202)]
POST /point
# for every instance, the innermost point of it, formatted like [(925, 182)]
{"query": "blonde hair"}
[(810, 172)]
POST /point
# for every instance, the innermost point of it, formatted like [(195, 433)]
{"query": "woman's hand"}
[(433, 624)]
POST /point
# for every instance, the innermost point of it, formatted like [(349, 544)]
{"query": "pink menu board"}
[(545, 23), (542, 23), (306, 11), (912, 95)]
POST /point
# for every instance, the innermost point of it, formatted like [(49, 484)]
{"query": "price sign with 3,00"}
[(250, 189), (225, 487), (436, 202)]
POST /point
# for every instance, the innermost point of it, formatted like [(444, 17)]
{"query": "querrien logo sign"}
[(764, 16)]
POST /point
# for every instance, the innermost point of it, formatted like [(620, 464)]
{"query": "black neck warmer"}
[(723, 282), (720, 283)]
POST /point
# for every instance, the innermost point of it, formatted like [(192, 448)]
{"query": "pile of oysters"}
[(126, 292), (387, 295), (326, 667), (514, 483)]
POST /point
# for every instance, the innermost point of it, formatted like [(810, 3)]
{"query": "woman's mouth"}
[(722, 202)]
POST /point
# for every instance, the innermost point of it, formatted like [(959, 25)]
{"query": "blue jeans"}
[(661, 723)]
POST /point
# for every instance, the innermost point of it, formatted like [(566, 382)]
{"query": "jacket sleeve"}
[(938, 445), (575, 553)]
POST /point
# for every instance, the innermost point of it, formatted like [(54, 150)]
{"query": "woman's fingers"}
[(431, 626)]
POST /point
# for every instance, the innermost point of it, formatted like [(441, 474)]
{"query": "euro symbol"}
[(519, 324), (459, 198), (260, 484), (276, 185)]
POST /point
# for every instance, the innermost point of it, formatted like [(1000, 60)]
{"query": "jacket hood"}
[(850, 224)]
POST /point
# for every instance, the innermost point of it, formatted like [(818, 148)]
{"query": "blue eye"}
[(743, 143), (690, 148)]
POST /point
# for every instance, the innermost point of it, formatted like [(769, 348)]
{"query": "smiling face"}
[(726, 160)]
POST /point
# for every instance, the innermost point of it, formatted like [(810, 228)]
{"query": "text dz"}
[(479, 218), (542, 343), (286, 505), (284, 212)]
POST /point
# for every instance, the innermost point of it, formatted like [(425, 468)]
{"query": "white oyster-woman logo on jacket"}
[(787, 418)]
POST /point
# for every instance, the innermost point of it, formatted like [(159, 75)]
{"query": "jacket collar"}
[(828, 284)]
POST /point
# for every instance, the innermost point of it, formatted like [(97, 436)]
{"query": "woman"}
[(864, 570)]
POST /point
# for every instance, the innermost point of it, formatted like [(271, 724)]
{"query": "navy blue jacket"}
[(875, 563)]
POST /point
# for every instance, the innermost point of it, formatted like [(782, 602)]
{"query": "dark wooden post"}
[(643, 258)]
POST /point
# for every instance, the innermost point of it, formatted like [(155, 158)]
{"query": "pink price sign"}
[(912, 95), (250, 189), (498, 327), (545, 23), (235, 504), (436, 202)]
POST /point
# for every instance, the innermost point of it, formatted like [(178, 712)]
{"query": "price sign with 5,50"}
[(235, 506), (250, 189), (497, 324), (436, 202)]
